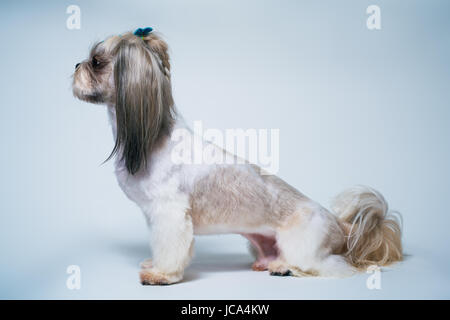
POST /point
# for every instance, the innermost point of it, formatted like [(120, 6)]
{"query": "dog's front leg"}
[(171, 242)]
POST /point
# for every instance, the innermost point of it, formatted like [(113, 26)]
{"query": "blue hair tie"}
[(143, 32)]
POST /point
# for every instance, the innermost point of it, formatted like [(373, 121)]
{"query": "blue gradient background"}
[(353, 107)]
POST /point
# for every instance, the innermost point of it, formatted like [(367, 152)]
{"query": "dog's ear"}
[(144, 104)]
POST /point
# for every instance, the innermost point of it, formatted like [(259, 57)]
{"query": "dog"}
[(289, 233)]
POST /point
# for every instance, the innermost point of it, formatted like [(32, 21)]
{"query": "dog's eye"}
[(95, 62)]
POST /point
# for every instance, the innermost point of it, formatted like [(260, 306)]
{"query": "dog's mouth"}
[(95, 97)]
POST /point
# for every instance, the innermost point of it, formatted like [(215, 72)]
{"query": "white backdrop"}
[(353, 106)]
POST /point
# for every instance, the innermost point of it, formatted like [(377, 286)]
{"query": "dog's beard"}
[(95, 97)]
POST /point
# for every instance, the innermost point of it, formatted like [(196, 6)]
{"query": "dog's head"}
[(131, 73)]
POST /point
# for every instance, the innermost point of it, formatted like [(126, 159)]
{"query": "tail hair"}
[(373, 232)]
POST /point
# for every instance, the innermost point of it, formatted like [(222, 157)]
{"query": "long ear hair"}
[(144, 103)]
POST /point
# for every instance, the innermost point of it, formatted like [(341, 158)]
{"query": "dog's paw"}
[(152, 276), (146, 264), (262, 264), (279, 268), (259, 266), (286, 273)]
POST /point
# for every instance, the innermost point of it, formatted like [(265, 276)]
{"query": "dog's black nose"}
[(76, 66)]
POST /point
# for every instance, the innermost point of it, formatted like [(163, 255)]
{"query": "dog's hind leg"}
[(264, 249), (310, 241)]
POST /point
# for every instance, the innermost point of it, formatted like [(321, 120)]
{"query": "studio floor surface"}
[(220, 270)]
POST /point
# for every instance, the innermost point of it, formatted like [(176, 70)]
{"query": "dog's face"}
[(93, 78), (132, 74)]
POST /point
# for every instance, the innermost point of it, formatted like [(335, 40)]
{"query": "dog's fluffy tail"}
[(373, 233)]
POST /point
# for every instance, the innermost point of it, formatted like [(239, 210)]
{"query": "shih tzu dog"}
[(289, 233)]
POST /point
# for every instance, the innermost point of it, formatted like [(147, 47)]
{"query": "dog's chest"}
[(159, 181), (135, 188)]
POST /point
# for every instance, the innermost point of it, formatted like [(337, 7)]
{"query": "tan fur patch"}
[(258, 266), (297, 272), (278, 266), (152, 277), (240, 196)]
